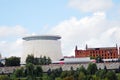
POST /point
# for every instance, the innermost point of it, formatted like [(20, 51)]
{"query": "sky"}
[(78, 22)]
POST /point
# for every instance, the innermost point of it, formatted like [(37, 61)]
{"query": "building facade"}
[(42, 45), (104, 52)]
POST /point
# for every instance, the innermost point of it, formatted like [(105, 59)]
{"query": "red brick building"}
[(104, 52)]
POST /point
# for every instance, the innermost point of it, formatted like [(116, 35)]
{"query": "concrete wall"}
[(114, 65), (75, 66), (49, 48)]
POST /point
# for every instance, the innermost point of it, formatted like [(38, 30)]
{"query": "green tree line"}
[(10, 61), (42, 60)]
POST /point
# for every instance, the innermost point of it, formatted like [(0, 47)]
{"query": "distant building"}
[(42, 45), (103, 52), (69, 56)]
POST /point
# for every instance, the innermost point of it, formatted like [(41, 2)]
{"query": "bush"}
[(4, 77), (38, 78), (20, 79), (23, 79), (12, 61)]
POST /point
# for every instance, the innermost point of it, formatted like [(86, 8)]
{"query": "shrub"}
[(4, 77)]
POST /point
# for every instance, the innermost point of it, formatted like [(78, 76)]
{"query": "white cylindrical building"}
[(43, 45)]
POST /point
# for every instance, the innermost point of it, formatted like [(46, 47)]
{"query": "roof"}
[(101, 48), (42, 37)]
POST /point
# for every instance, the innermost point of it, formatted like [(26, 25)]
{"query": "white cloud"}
[(91, 5), (12, 47), (6, 31), (95, 30)]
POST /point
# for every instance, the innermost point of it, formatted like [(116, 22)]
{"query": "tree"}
[(105, 68), (30, 71), (48, 60), (88, 77), (30, 59), (38, 60), (118, 76), (82, 69), (76, 74), (63, 74), (4, 77), (44, 60), (92, 68), (71, 72), (49, 72), (119, 69), (52, 76), (58, 78), (54, 73), (96, 78), (1, 64), (110, 75), (81, 76), (69, 78), (99, 59), (12, 61), (19, 72), (38, 71), (60, 70), (101, 74)]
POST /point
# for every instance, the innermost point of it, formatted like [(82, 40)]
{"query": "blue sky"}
[(79, 22), (34, 15), (38, 13)]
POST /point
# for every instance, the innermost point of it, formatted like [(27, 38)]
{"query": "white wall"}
[(49, 48)]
